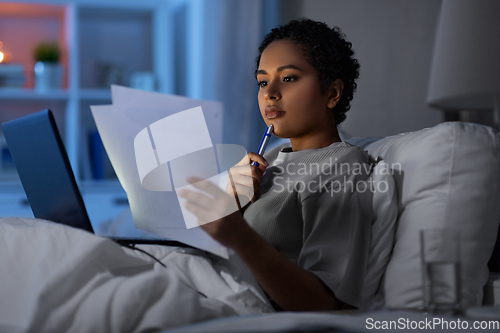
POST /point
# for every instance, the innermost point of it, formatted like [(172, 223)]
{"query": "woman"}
[(305, 235)]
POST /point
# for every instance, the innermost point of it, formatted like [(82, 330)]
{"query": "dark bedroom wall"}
[(393, 42)]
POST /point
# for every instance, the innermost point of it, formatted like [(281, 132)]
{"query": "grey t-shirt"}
[(314, 207)]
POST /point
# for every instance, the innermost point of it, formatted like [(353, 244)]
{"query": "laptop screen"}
[(44, 169)]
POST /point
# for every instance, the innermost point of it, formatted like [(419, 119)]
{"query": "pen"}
[(264, 142)]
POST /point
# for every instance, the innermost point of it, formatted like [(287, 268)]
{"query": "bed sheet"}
[(56, 278)]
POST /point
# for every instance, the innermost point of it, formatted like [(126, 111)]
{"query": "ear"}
[(334, 93)]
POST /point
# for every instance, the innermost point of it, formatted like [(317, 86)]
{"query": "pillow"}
[(446, 177), (385, 213)]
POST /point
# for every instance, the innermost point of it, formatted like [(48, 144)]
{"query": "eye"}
[(289, 78), (262, 84)]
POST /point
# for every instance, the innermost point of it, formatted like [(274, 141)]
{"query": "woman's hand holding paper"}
[(216, 212), (270, 268)]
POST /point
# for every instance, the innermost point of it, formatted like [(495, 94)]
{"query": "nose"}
[(272, 92)]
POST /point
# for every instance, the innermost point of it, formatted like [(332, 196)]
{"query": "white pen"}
[(264, 142)]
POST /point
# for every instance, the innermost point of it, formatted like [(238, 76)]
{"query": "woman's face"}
[(289, 94)]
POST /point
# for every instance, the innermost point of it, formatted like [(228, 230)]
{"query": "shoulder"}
[(341, 152), (337, 169)]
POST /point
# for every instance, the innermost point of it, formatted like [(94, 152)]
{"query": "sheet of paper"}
[(132, 111)]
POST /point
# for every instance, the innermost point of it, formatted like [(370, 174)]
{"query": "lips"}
[(273, 112)]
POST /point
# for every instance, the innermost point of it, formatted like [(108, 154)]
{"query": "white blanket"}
[(60, 279)]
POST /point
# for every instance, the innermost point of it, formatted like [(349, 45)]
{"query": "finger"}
[(238, 173), (242, 179), (262, 168), (197, 199), (249, 177), (244, 161), (244, 200), (203, 216), (242, 169), (193, 179), (257, 173), (244, 185), (244, 190), (254, 157), (199, 212), (207, 186), (232, 191), (247, 185)]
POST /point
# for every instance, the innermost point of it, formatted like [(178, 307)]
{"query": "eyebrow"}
[(279, 69)]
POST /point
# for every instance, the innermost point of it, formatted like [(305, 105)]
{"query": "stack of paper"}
[(154, 141)]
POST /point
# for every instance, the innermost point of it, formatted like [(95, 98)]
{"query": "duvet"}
[(56, 278)]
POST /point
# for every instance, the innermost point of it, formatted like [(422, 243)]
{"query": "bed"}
[(59, 279)]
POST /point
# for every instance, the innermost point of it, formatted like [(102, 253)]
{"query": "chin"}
[(279, 134)]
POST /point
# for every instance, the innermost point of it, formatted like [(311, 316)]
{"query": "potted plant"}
[(48, 70)]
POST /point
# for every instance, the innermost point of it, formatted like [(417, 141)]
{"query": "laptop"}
[(48, 180)]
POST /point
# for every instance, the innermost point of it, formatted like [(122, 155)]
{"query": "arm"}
[(290, 286)]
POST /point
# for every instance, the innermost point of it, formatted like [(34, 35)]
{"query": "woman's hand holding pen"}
[(245, 178)]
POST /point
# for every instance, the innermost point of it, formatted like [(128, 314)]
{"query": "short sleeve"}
[(336, 240)]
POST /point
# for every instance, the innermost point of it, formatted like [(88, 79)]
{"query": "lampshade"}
[(465, 69)]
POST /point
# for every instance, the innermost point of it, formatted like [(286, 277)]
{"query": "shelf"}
[(59, 94), (95, 94), (102, 43), (31, 94), (31, 10)]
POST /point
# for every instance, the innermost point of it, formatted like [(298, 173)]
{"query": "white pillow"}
[(449, 178), (385, 213)]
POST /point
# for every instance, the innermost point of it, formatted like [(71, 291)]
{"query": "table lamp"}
[(465, 69)]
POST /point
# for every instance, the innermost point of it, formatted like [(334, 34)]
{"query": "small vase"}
[(48, 75)]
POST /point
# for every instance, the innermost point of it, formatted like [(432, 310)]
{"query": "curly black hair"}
[(327, 51)]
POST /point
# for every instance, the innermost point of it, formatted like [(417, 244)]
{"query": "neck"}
[(315, 142)]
